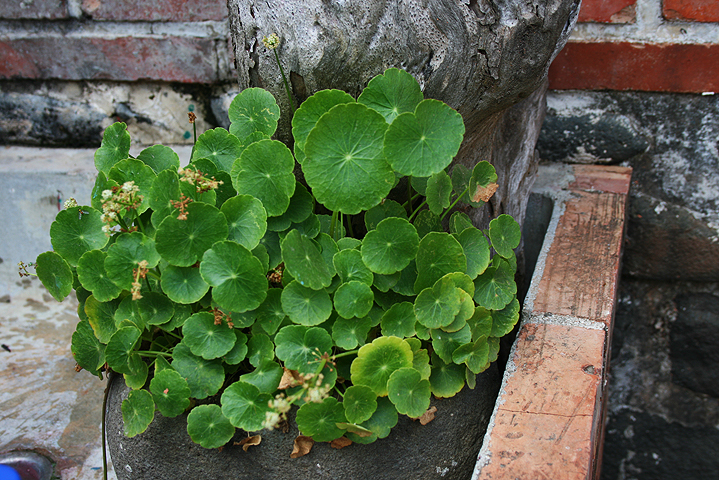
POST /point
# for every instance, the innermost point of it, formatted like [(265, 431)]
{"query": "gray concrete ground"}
[(45, 406)]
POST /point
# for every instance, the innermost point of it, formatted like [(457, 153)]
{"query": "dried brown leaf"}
[(427, 416), (246, 443), (341, 442), (290, 378), (302, 447), (483, 194)]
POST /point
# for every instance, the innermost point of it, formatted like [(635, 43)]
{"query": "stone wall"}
[(635, 86)]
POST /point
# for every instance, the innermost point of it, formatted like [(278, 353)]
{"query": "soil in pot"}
[(445, 448)]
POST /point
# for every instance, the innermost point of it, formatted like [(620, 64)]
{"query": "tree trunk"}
[(487, 59)]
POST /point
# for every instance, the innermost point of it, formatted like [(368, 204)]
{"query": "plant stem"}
[(139, 222), (104, 428), (418, 209), (409, 193), (148, 353), (449, 209), (345, 354), (287, 86), (349, 227), (333, 224)]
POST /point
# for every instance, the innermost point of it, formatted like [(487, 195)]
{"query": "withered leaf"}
[(427, 416), (246, 443), (290, 378), (341, 442), (302, 447), (483, 194)]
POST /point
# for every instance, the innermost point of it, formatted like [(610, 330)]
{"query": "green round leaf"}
[(204, 377), (183, 284), (245, 406), (125, 255), (318, 420), (476, 249), (159, 158), (101, 184), (312, 109), (409, 392), (92, 275), (265, 171), (300, 347), (75, 231), (154, 308), (426, 221), (392, 93), (304, 305), (301, 205), (218, 146), (424, 142), (139, 370), (505, 234), (436, 307), (458, 222), (266, 377), (360, 402), (445, 343), (376, 361), (260, 349), (138, 410), (87, 350), (207, 426), (115, 146), (55, 274), (270, 314), (349, 266), (350, 332), (170, 392), (495, 288), (237, 275), (382, 420), (439, 253), (391, 246), (439, 190), (353, 299), (475, 355), (483, 175), (345, 166), (246, 219), (399, 320), (183, 242), (504, 320), (206, 339), (120, 347), (253, 110), (101, 316), (239, 351), (446, 379), (165, 188), (386, 209), (304, 261)]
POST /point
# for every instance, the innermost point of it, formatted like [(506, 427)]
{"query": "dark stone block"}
[(693, 343), (40, 120), (590, 139), (445, 448), (640, 446), (668, 242)]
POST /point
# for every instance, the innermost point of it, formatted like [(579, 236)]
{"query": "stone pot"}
[(445, 448)]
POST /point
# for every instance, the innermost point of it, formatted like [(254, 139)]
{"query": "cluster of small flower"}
[(138, 273), (196, 178), (118, 200), (271, 42), (313, 391)]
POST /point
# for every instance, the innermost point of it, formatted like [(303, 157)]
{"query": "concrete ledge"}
[(548, 421)]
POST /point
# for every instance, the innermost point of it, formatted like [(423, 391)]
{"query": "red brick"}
[(632, 66), (157, 10), (172, 59), (36, 9), (608, 11), (692, 10)]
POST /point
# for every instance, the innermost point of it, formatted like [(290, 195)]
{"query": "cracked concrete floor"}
[(45, 406)]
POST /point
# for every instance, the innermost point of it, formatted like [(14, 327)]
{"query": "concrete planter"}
[(548, 418)]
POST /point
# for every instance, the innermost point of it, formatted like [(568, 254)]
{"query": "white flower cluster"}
[(117, 200)]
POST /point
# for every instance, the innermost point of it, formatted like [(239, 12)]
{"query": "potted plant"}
[(232, 291)]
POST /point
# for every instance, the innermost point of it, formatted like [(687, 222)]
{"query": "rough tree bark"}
[(487, 59)]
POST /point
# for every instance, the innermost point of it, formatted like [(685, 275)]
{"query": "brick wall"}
[(125, 40), (642, 45)]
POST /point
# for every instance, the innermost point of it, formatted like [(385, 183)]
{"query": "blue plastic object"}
[(8, 473)]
